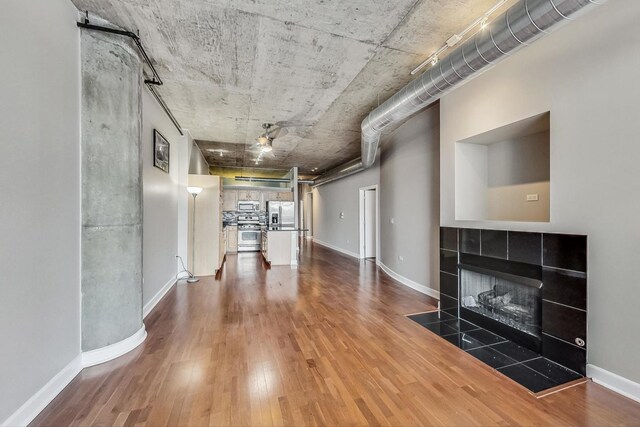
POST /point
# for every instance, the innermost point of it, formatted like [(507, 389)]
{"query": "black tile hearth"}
[(527, 377), (525, 247), (470, 241), (461, 325), (449, 261), (431, 317), (520, 364), (552, 370), (441, 328), (491, 357), (565, 287), (463, 341), (485, 337), (494, 243), (515, 351), (449, 284), (567, 251), (449, 238)]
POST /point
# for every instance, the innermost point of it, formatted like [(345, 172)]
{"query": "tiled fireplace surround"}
[(555, 262)]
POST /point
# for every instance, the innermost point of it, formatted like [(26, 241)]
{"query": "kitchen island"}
[(280, 245)]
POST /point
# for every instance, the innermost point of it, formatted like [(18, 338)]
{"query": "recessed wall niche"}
[(503, 174)]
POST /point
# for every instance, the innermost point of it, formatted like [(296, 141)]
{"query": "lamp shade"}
[(194, 190)]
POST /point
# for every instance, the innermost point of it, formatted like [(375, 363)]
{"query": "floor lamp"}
[(194, 191)]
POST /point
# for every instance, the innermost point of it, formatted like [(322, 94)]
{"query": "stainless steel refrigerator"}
[(281, 214)]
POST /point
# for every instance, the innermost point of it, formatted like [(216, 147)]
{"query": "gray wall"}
[(160, 200), (585, 74), (341, 196), (198, 165), (518, 167), (410, 194), (111, 190), (40, 193)]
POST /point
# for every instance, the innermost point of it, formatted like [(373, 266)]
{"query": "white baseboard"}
[(335, 248), (148, 307), (32, 407), (409, 283), (110, 352), (614, 382)]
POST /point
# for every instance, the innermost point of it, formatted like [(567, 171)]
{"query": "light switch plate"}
[(532, 197)]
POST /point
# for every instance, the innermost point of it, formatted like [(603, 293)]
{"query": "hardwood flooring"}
[(327, 344)]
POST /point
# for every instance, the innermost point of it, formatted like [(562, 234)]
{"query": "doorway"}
[(369, 222)]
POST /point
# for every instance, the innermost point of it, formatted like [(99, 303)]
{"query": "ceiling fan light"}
[(263, 140)]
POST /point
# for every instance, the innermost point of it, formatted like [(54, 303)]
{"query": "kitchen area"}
[(261, 219)]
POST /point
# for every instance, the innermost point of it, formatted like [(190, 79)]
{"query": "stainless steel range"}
[(249, 234)]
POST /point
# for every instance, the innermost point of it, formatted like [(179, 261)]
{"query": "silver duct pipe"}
[(520, 25)]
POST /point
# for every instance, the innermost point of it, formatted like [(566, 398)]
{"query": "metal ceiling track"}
[(519, 26), (151, 83)]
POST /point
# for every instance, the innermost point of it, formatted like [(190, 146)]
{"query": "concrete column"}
[(111, 189)]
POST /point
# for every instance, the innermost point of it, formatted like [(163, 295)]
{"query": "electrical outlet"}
[(392, 221), (348, 241), (400, 258)]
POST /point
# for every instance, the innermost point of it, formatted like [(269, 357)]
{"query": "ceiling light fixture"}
[(482, 22)]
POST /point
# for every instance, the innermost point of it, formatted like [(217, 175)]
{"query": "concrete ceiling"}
[(322, 65)]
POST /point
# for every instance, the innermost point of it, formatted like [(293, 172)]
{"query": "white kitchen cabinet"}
[(230, 200), (248, 195), (221, 252), (283, 196), (243, 195), (270, 196), (232, 239), (277, 247), (286, 196)]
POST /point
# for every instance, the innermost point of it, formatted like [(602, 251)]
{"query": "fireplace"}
[(509, 299), (529, 288), (502, 296)]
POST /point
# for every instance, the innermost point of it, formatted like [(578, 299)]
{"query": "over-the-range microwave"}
[(248, 206)]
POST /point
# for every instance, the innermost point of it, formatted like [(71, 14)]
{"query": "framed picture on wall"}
[(160, 151)]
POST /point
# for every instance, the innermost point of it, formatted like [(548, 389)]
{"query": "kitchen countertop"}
[(284, 229)]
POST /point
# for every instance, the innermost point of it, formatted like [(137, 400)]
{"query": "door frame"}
[(361, 220), (309, 213)]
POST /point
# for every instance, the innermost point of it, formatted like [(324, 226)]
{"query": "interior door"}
[(370, 224)]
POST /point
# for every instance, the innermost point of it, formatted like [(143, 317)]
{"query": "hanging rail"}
[(151, 83)]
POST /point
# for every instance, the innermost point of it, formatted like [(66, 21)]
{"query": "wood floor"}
[(327, 344)]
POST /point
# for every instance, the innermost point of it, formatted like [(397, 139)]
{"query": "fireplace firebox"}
[(512, 300)]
